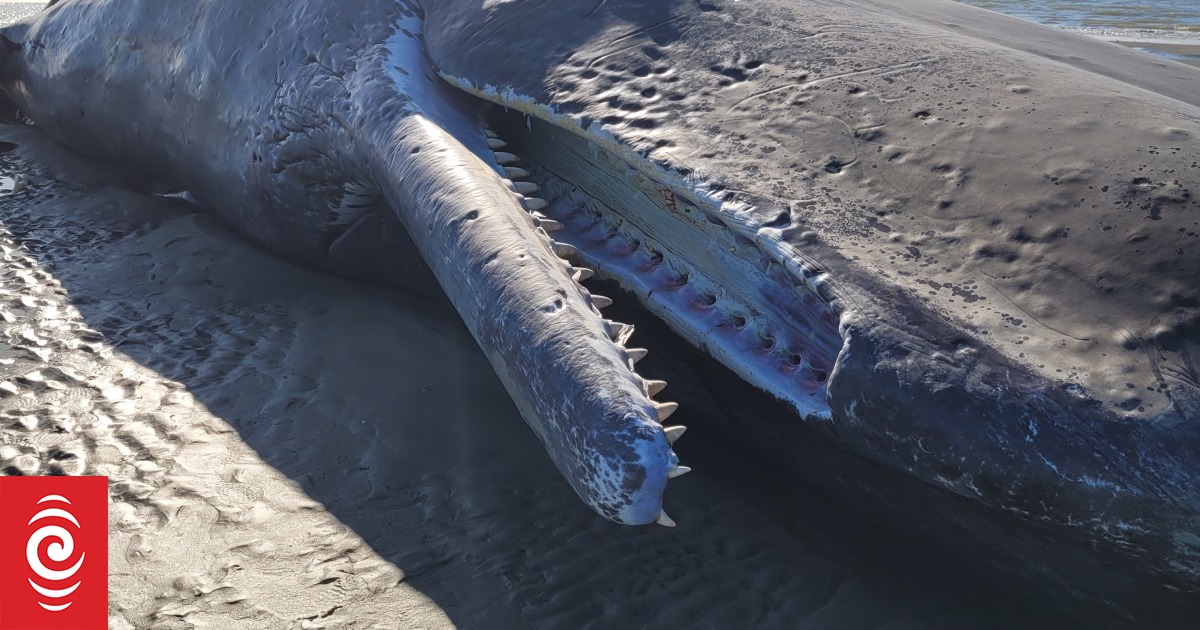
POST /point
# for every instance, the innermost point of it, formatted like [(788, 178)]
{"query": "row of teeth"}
[(618, 332), (785, 346), (806, 272), (781, 345)]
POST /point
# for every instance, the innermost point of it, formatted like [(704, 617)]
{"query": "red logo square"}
[(53, 553)]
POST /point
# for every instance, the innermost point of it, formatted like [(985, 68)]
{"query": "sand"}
[(290, 450)]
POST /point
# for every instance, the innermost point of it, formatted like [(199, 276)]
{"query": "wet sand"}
[(287, 449), (1183, 53)]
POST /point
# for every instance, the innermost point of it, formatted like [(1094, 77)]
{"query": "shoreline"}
[(1183, 53), (1182, 46)]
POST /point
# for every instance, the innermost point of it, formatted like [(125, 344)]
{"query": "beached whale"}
[(963, 248)]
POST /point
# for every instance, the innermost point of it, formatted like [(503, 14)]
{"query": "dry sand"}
[(289, 450)]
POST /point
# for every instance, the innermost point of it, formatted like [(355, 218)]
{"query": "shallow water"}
[(1166, 28), (12, 11), (1170, 16)]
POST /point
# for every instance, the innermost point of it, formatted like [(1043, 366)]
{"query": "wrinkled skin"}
[(963, 248)]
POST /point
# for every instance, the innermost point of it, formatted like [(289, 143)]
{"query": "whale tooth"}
[(664, 520), (489, 133), (513, 172), (496, 143), (673, 433), (665, 410), (654, 387), (601, 301), (503, 157), (582, 273), (565, 250), (550, 225), (527, 188), (824, 288), (533, 204), (620, 333), (636, 354), (678, 471)]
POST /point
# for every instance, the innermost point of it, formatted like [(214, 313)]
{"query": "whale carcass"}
[(963, 248)]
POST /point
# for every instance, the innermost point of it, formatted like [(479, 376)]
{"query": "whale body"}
[(962, 248)]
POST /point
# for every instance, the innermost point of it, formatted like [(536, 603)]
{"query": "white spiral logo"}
[(59, 551)]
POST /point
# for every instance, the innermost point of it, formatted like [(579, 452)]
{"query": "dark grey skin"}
[(964, 248)]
